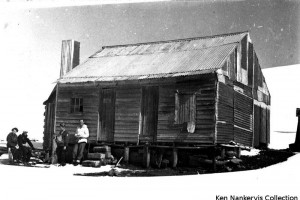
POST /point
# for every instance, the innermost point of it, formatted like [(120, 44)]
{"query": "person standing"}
[(12, 144), (82, 133), (25, 151), (62, 141)]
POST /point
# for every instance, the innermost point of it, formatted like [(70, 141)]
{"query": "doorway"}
[(107, 115), (149, 112)]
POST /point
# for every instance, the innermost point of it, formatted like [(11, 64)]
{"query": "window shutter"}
[(185, 108)]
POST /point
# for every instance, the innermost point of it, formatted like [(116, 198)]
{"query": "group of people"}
[(62, 141), (16, 145), (22, 153)]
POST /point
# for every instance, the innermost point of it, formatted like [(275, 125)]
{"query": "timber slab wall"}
[(90, 97), (168, 131)]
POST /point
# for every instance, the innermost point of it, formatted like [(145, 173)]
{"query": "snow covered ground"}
[(60, 183)]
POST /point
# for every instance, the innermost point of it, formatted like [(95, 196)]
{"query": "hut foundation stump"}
[(174, 157), (214, 159), (146, 157), (126, 154)]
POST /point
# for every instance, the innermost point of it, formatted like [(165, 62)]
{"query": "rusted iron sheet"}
[(243, 136), (157, 59), (268, 126), (243, 119), (263, 126), (250, 65), (171, 46), (257, 125), (145, 66), (225, 114), (224, 132)]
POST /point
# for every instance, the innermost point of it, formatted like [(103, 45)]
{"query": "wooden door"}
[(107, 115), (149, 112)]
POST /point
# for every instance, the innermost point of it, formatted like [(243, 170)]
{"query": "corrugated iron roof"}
[(155, 60)]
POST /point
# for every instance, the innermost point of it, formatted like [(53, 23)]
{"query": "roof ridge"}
[(161, 52), (174, 40), (197, 66)]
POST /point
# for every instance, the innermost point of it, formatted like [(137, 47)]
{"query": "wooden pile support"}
[(147, 153), (226, 149)]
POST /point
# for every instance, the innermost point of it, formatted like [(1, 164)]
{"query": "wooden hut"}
[(185, 92)]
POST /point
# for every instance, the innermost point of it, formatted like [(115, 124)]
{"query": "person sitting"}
[(25, 151), (12, 145)]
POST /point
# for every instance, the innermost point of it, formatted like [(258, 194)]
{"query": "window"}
[(185, 110), (76, 105)]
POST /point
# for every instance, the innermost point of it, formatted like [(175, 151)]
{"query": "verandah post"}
[(146, 156)]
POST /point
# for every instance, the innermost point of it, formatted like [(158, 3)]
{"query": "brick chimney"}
[(69, 56)]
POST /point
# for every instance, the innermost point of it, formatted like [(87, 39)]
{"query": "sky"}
[(31, 33)]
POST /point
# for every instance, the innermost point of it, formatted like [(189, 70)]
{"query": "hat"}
[(15, 129), (62, 125)]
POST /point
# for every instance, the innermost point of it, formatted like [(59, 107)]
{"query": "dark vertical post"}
[(126, 154), (297, 140), (296, 146), (146, 157), (53, 155), (175, 157), (214, 159)]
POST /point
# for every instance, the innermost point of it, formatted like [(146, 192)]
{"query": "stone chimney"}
[(69, 56)]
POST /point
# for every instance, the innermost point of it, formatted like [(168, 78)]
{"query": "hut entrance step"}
[(91, 163), (105, 149), (96, 156), (99, 155)]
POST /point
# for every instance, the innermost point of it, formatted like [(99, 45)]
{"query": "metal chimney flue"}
[(70, 52)]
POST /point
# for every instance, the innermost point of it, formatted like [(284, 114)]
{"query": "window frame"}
[(191, 104), (76, 105)]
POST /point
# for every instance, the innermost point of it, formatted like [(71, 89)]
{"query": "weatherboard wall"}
[(169, 131), (127, 114), (90, 97), (243, 99)]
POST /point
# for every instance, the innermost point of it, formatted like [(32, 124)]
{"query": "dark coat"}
[(62, 139), (22, 140), (12, 140)]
